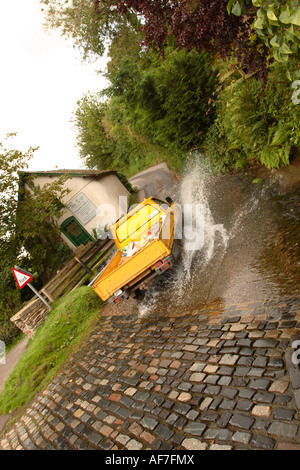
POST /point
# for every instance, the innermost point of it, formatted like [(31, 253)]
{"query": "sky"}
[(42, 78)]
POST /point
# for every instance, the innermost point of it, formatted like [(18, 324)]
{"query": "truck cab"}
[(146, 247)]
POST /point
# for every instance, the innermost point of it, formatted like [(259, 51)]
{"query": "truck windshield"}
[(163, 204), (139, 223)]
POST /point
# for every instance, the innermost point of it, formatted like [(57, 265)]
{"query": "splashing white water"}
[(192, 192), (149, 301), (207, 272)]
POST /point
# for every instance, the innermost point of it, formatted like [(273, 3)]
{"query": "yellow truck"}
[(146, 247)]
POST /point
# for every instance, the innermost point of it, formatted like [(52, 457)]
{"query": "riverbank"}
[(287, 178)]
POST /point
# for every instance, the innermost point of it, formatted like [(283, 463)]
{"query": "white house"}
[(95, 199)]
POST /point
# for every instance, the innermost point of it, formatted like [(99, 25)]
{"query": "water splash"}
[(192, 192), (149, 302), (249, 240)]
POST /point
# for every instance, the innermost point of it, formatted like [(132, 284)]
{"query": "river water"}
[(251, 249)]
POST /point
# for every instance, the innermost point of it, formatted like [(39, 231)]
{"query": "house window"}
[(74, 231)]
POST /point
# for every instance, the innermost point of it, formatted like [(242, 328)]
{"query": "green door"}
[(74, 231)]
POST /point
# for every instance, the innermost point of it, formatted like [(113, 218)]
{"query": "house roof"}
[(83, 173), (52, 173), (69, 172)]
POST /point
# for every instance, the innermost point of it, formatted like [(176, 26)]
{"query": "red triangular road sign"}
[(22, 277)]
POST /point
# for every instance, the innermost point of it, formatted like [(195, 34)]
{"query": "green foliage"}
[(11, 161), (54, 341), (28, 233), (10, 301), (8, 331), (90, 24), (237, 7), (277, 23), (96, 148), (36, 228), (260, 126), (218, 153), (172, 99), (109, 142), (156, 109), (77, 19)]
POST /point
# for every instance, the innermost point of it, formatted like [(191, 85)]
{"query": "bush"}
[(220, 157), (155, 110), (8, 332), (256, 125), (170, 101)]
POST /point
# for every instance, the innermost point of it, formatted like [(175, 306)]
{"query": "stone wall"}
[(31, 316)]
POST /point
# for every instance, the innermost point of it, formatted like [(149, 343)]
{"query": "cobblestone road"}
[(211, 379)]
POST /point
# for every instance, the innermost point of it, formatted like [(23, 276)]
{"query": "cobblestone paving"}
[(203, 380)]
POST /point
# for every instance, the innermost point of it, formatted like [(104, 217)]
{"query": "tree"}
[(11, 161), (167, 100), (96, 147), (28, 234), (90, 24), (255, 31), (150, 102), (25, 213), (195, 24), (36, 229), (202, 25)]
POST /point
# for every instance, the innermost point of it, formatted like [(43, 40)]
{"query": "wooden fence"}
[(80, 270)]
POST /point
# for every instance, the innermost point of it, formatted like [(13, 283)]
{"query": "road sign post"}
[(23, 278), (39, 295)]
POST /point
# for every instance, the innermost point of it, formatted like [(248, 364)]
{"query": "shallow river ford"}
[(248, 245)]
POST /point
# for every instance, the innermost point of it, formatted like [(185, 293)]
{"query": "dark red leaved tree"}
[(199, 24)]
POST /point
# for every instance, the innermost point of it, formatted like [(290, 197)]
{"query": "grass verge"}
[(70, 320)]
